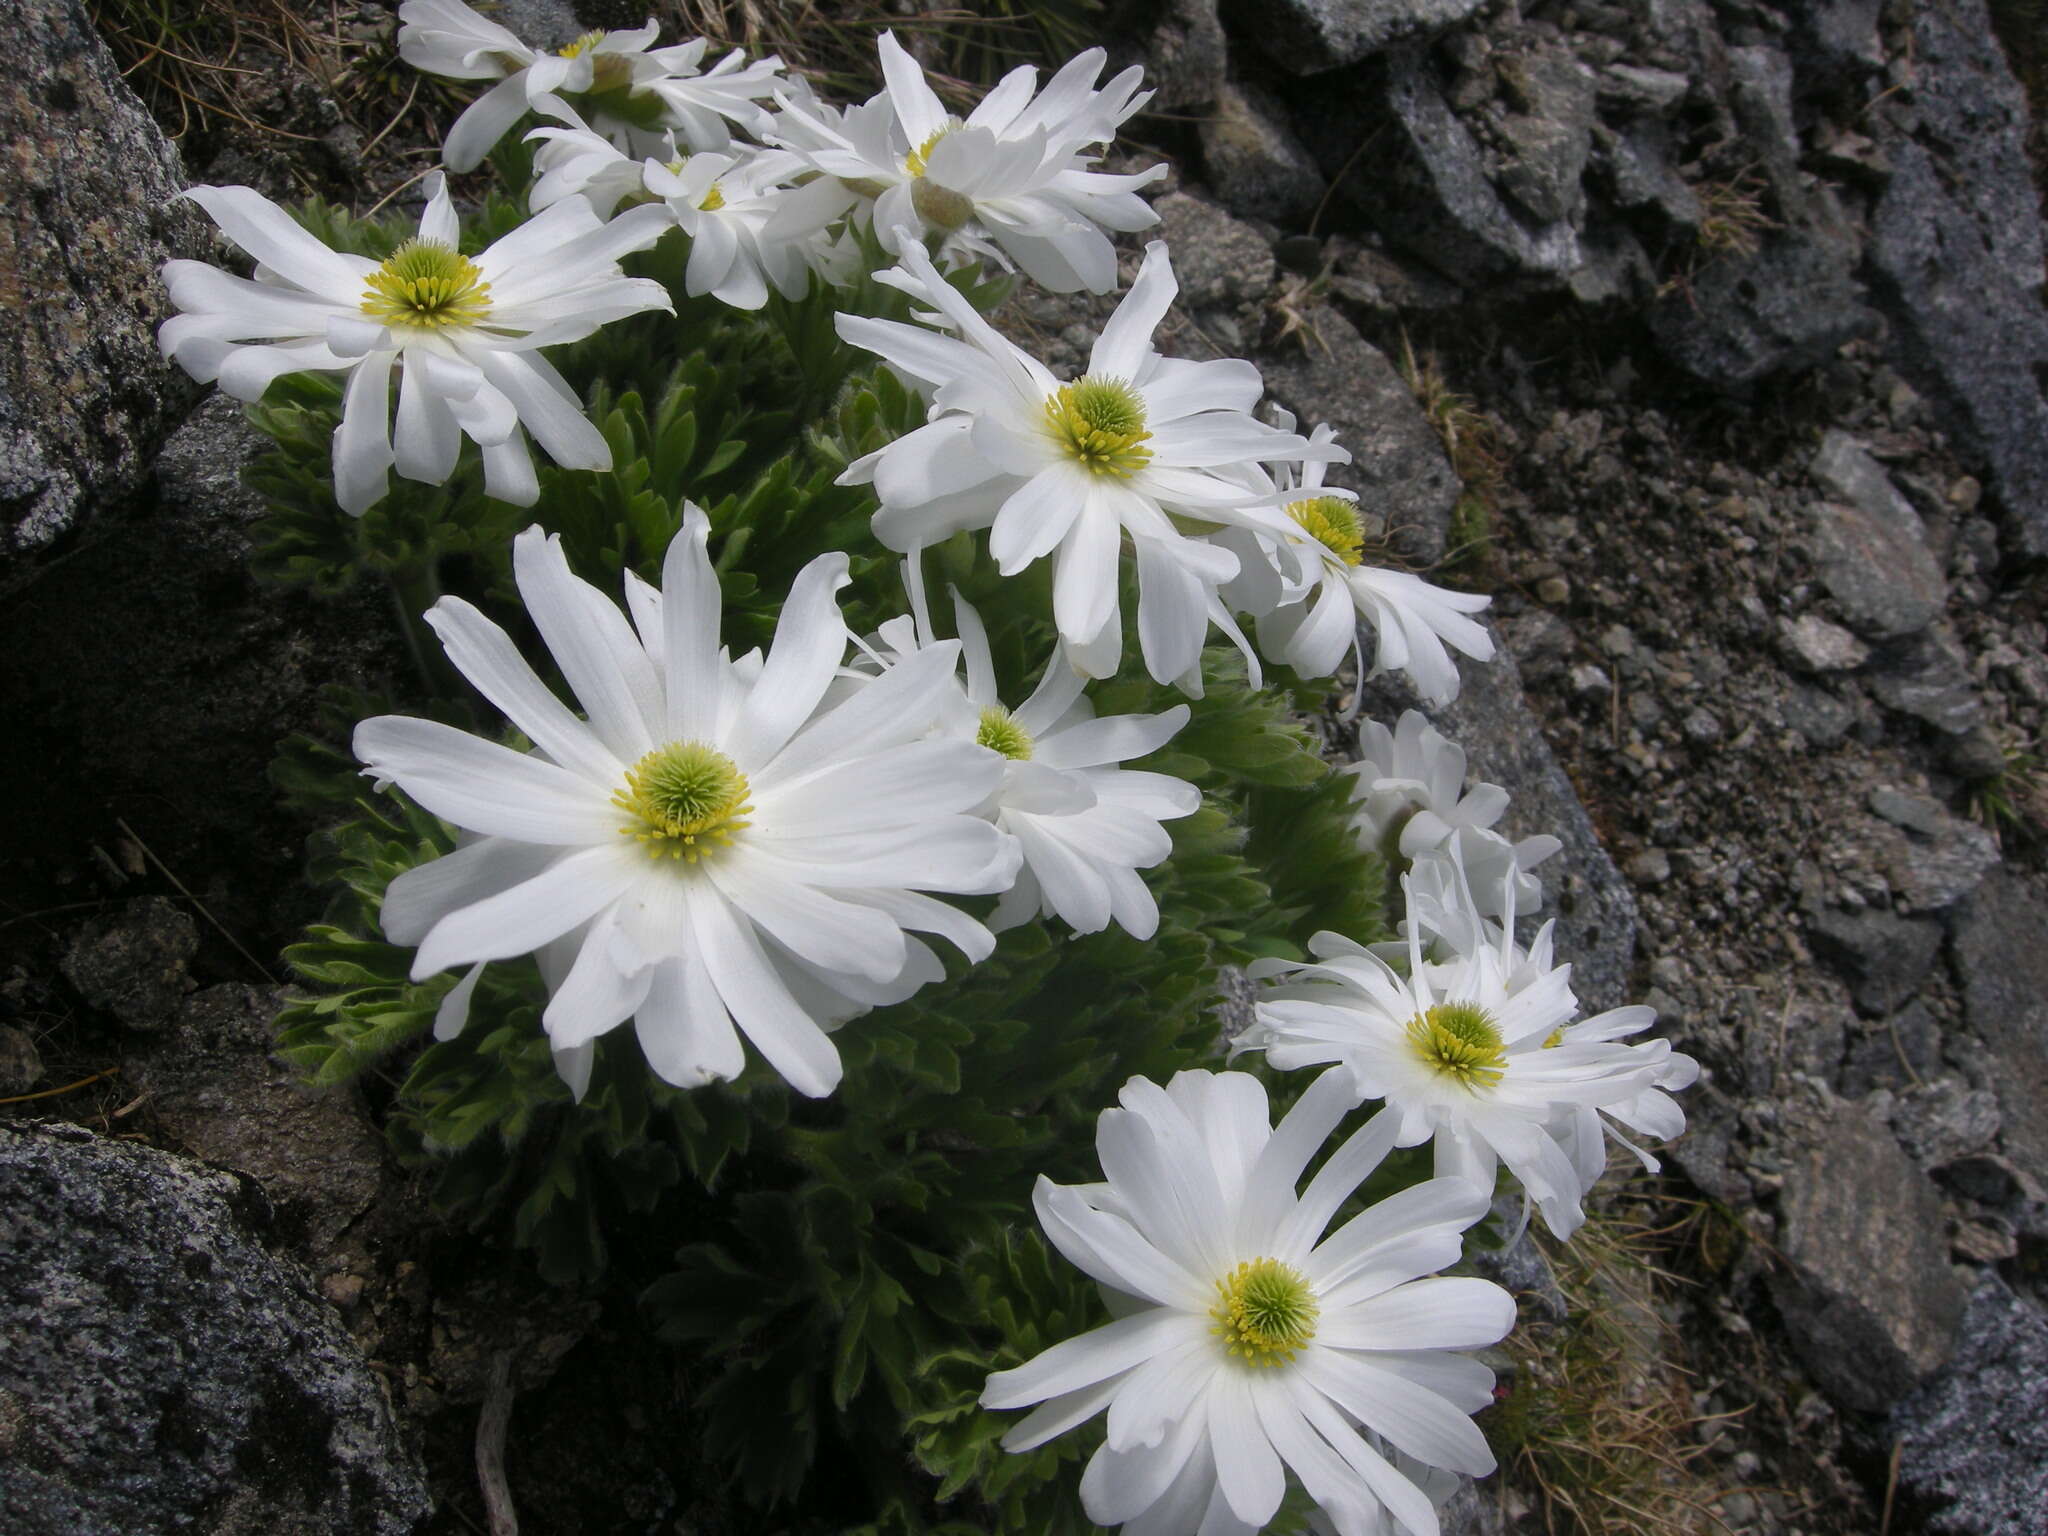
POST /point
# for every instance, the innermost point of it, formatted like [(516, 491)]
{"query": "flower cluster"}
[(755, 849)]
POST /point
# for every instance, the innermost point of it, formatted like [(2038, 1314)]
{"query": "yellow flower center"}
[(1461, 1041), (1264, 1313), (1333, 523), (427, 285), (582, 45), (712, 200), (914, 162), (686, 800), (1100, 423), (1000, 732)]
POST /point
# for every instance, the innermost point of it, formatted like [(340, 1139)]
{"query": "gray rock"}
[(161, 1371), (1636, 159), (1397, 459), (1881, 574), (1253, 160), (1883, 956), (1868, 1297), (1308, 36), (86, 223), (1633, 87), (1218, 259), (131, 963), (1843, 466), (1550, 135), (1821, 717), (1895, 1052), (1186, 56), (2002, 956), (542, 23), (1936, 859), (1975, 1461), (1955, 256), (1943, 1121), (1760, 95), (1832, 38), (1927, 678), (21, 1064), (1787, 306), (199, 472), (219, 1093), (1433, 188), (1812, 644), (1503, 742)]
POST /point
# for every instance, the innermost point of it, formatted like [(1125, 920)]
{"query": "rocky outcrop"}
[(1955, 253), (85, 222), (1873, 1304), (1975, 1457), (161, 1371)]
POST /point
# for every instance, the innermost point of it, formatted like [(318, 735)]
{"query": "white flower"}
[(1476, 1050), (626, 88), (1010, 182), (1075, 469), (724, 854), (701, 105), (1085, 825), (1305, 576), (1243, 1347), (726, 204), (464, 334), (1409, 787)]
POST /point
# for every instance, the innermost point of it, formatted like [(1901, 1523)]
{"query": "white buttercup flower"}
[(727, 858), (617, 82), (1086, 826), (463, 332), (1009, 182), (1475, 1050), (1246, 1343), (726, 203), (1409, 787), (703, 105), (1306, 578), (1075, 469)]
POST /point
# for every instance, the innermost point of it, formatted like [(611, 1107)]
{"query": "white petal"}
[(600, 657), (1091, 1357), (485, 787), (787, 1038), (485, 655), (275, 239), (520, 920)]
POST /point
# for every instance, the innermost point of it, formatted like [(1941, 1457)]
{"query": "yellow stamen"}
[(1000, 732), (686, 800), (1265, 1312), (1100, 423), (427, 285), (1460, 1041), (1333, 523)]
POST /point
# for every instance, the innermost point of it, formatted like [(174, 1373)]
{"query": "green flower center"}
[(1264, 1312), (1333, 523), (1459, 1040), (1100, 423), (427, 285), (1000, 732), (686, 800)]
